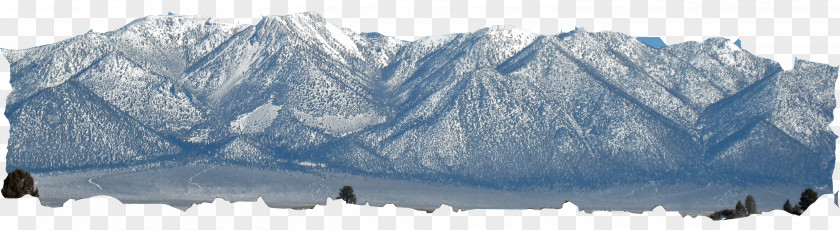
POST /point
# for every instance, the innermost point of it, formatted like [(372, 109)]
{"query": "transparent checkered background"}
[(780, 29)]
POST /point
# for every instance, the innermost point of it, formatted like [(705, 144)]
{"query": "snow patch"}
[(435, 40), (732, 46), (256, 121), (339, 125), (310, 164), (342, 38), (236, 76)]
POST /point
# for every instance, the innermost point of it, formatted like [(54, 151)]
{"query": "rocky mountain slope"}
[(498, 107)]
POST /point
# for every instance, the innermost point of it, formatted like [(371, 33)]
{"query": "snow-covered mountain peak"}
[(11, 55), (490, 107), (504, 30), (166, 28), (491, 46), (504, 33), (722, 44), (579, 33), (435, 40), (314, 30), (306, 16), (295, 21)]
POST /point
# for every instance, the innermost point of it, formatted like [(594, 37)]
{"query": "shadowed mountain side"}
[(498, 107)]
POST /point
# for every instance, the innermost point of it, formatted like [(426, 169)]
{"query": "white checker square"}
[(602, 24), (729, 9), (332, 9), (441, 222), (9, 9), (638, 26), (711, 26), (834, 46), (801, 9), (440, 9), (149, 7), (366, 7), (98, 206), (81, 9), (116, 9), (764, 9), (224, 8), (819, 26), (26, 27), (746, 27), (475, 9), (656, 9), (782, 27), (802, 222), (63, 27), (368, 222), (548, 9), (621, 9), (424, 26), (801, 44), (693, 9), (188, 222), (81, 222), (763, 45), (513, 9), (188, 7), (154, 221), (585, 9), (226, 222), (585, 222), (135, 210), (44, 9), (46, 222), (264, 222)]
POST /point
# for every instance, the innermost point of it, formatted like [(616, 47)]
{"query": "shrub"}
[(724, 214), (19, 183), (346, 194)]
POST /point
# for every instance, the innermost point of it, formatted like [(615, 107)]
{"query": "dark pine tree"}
[(740, 209), (724, 214), (787, 207), (19, 183), (346, 194), (809, 196), (751, 206)]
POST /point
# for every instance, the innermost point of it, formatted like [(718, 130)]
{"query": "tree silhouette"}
[(740, 209), (791, 209), (346, 194), (724, 214), (19, 183), (751, 207), (808, 197), (787, 207)]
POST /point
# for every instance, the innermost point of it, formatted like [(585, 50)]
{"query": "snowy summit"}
[(498, 107)]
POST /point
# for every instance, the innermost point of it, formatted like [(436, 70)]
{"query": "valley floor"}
[(183, 186)]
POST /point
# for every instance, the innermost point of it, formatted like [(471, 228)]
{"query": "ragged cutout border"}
[(780, 29)]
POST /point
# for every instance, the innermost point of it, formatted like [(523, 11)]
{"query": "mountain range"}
[(498, 107)]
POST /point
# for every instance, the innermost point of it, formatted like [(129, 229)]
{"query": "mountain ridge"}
[(499, 107)]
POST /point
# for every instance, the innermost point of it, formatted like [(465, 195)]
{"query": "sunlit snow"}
[(339, 125), (255, 121)]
